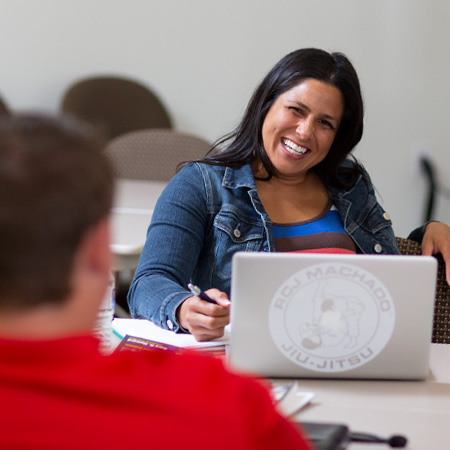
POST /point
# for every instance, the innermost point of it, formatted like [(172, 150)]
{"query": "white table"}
[(133, 207), (419, 410)]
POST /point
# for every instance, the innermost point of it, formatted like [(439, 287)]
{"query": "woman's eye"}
[(296, 109), (327, 124)]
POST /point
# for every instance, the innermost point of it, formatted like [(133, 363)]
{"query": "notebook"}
[(332, 316)]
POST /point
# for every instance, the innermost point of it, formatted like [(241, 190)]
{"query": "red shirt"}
[(64, 394)]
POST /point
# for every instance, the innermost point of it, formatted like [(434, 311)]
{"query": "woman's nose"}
[(305, 129)]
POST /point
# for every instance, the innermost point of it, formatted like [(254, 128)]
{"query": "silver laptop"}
[(332, 316)]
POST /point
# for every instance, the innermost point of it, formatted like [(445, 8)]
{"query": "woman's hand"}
[(437, 240), (204, 320)]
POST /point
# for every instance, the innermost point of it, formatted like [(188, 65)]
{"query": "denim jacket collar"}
[(237, 177), (344, 199)]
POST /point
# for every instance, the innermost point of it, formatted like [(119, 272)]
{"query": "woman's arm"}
[(436, 239), (173, 245)]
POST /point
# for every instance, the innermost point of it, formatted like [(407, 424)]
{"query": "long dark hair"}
[(246, 143)]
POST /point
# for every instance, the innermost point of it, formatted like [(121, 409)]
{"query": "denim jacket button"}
[(386, 216), (237, 233), (377, 248), (169, 324)]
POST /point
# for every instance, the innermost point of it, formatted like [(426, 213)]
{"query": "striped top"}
[(322, 234)]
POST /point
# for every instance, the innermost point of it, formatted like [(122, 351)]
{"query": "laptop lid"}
[(332, 316)]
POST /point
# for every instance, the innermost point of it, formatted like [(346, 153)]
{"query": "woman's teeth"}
[(293, 148)]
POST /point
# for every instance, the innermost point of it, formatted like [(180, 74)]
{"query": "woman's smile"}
[(294, 148)]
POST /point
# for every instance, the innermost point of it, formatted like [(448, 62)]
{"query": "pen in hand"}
[(201, 294)]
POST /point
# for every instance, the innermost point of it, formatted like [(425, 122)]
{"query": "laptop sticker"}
[(331, 317)]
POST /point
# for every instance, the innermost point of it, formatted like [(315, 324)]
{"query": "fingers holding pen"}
[(204, 319), (219, 297)]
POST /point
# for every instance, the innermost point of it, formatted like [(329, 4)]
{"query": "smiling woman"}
[(332, 70), (297, 134), (283, 180)]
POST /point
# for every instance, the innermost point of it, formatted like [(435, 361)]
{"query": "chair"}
[(153, 154), (441, 325), (4, 110), (115, 105)]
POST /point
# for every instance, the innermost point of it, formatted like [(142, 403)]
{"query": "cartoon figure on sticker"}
[(335, 321)]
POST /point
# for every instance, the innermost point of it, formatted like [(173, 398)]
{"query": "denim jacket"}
[(206, 214)]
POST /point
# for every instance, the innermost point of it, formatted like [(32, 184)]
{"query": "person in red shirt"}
[(57, 389)]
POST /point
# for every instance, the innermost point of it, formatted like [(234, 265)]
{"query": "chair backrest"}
[(441, 326), (115, 105), (4, 110), (153, 154)]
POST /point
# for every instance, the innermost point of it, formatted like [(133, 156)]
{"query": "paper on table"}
[(292, 401), (148, 330)]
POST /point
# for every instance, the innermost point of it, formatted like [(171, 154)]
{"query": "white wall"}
[(204, 58)]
